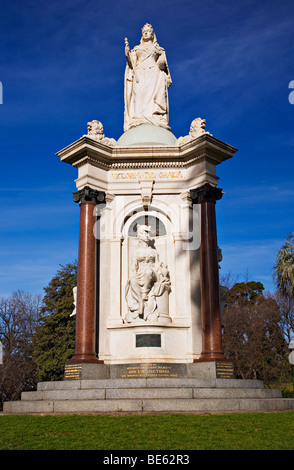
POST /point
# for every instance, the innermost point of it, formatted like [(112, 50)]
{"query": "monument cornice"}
[(87, 150)]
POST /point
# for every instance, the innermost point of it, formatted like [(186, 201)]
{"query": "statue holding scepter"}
[(127, 52), (147, 79)]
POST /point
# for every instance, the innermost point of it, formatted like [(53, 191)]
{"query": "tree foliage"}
[(245, 293), (54, 340), (253, 337), (284, 277), (284, 267), (18, 320), (286, 306)]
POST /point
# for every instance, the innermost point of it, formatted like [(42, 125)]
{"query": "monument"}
[(147, 301), (148, 283)]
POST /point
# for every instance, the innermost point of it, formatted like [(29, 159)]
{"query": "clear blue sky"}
[(62, 65)]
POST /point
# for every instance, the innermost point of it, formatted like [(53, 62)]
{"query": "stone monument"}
[(147, 300), (148, 283)]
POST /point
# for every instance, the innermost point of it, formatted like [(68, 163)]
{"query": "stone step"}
[(108, 393), (149, 405), (148, 382), (218, 405), (191, 393), (236, 393), (145, 393), (149, 395), (71, 406)]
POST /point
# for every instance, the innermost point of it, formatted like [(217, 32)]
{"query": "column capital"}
[(88, 194), (205, 193)]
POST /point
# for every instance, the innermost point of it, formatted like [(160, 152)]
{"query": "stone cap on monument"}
[(146, 134)]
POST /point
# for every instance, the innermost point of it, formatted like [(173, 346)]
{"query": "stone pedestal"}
[(206, 370), (149, 179)]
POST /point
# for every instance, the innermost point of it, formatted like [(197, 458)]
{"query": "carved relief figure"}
[(96, 132), (74, 291), (149, 280), (95, 128), (147, 79), (197, 129)]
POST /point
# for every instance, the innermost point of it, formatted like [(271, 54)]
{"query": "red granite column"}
[(87, 282), (212, 350)]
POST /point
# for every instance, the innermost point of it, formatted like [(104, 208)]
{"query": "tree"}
[(286, 306), (18, 320), (284, 277), (54, 340), (252, 335), (284, 267), (245, 293)]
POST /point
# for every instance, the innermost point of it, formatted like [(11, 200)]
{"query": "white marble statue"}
[(74, 292), (149, 280), (96, 132), (197, 129), (147, 79)]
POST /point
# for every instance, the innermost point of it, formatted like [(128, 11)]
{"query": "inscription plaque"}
[(148, 341), (150, 174), (155, 370), (224, 370), (72, 371)]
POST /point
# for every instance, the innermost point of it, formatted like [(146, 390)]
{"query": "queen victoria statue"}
[(147, 79)]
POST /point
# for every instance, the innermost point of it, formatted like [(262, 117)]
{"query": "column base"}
[(212, 357), (84, 359)]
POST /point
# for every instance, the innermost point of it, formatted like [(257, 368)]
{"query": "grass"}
[(252, 431)]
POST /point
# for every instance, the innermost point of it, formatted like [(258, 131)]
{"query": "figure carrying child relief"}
[(149, 280)]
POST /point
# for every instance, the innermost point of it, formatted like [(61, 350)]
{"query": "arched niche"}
[(160, 241)]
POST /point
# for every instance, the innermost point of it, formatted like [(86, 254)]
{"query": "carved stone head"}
[(143, 232), (95, 128), (197, 127), (148, 33)]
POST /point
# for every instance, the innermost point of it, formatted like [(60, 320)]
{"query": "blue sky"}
[(62, 65)]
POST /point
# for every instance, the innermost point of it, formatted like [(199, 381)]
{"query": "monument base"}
[(201, 370), (201, 391)]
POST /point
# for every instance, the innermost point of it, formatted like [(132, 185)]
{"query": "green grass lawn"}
[(252, 431)]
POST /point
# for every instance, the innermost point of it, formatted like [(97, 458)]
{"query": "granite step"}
[(207, 405), (148, 393), (149, 382), (219, 405)]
